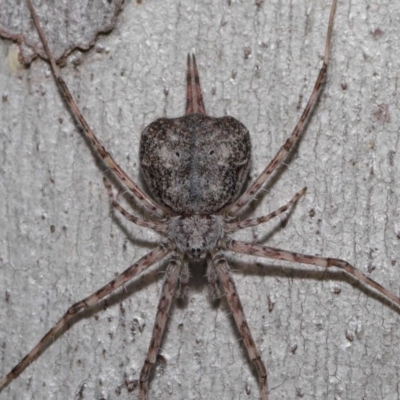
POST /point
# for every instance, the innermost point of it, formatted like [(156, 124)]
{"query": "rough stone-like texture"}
[(69, 25), (321, 336)]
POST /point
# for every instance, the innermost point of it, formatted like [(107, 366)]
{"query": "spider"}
[(197, 225)]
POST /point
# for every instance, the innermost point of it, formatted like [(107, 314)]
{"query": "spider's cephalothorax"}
[(195, 167), (196, 235)]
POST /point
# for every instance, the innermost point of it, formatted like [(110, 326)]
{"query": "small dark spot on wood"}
[(248, 390), (161, 363), (233, 74), (319, 326), (81, 390), (136, 325), (370, 268), (78, 61), (391, 155), (311, 213), (377, 33), (213, 91), (52, 228), (344, 85), (131, 384), (293, 348), (4, 98), (118, 390), (299, 103), (371, 171), (166, 92), (246, 52), (382, 113), (7, 296), (271, 304), (393, 262), (259, 3), (43, 217), (337, 290), (349, 336)]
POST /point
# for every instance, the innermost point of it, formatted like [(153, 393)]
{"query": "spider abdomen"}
[(195, 164)]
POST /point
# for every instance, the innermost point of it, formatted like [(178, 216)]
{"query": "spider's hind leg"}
[(227, 282), (164, 305)]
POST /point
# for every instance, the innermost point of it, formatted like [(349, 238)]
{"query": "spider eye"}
[(177, 154), (196, 252)]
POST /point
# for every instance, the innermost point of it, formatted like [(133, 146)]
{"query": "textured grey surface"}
[(323, 338), (70, 25)]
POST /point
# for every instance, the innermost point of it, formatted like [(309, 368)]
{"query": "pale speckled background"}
[(348, 158)]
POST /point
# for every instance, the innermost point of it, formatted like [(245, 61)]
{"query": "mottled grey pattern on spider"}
[(195, 164)]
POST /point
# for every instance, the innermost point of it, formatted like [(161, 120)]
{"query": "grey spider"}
[(195, 168)]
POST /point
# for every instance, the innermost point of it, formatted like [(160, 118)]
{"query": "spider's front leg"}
[(108, 160)]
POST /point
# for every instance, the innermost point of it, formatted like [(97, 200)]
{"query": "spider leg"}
[(184, 280), (62, 324), (235, 226), (249, 194), (142, 197), (167, 295), (194, 97), (156, 226), (235, 304), (213, 290), (270, 252)]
